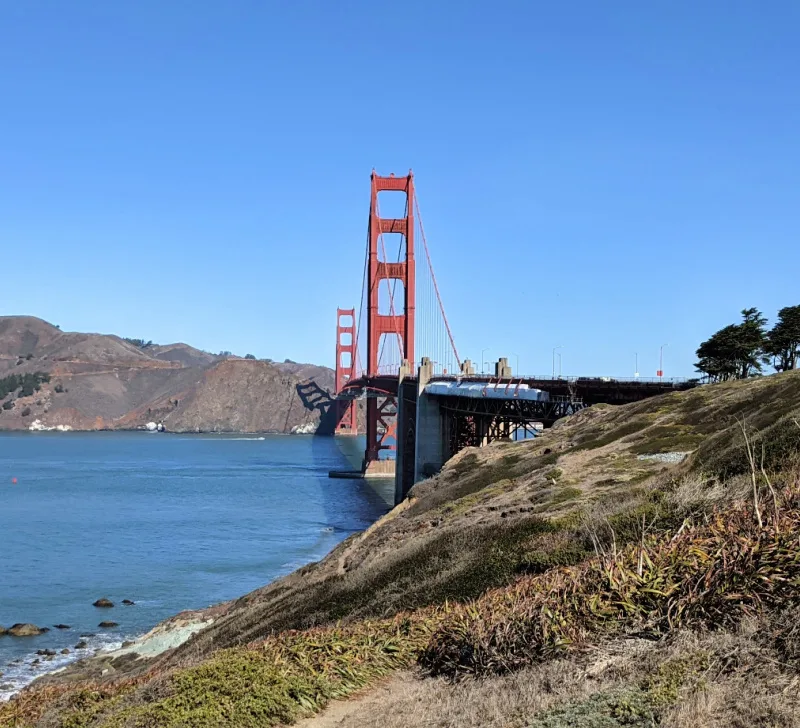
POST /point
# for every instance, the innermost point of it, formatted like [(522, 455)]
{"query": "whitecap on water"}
[(18, 674)]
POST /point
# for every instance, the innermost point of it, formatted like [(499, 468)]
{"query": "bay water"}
[(171, 522)]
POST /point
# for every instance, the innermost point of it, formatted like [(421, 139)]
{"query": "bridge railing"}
[(443, 372), (551, 378)]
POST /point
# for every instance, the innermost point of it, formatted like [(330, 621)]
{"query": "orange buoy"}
[(14, 481)]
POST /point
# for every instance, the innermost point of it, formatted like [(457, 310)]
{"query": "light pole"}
[(482, 352), (554, 359), (661, 361), (517, 370), (559, 365), (636, 368)]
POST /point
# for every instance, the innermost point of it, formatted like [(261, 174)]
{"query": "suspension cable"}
[(357, 332), (435, 285)]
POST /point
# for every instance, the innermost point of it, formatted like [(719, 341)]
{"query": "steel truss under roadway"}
[(472, 422)]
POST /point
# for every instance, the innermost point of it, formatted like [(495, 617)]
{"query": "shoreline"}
[(105, 651), (93, 662)]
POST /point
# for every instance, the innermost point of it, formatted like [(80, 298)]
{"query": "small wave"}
[(20, 673), (246, 439)]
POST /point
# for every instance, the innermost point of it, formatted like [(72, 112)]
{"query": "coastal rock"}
[(61, 626), (37, 426), (103, 603), (82, 645), (108, 624), (128, 602), (48, 653), (36, 661), (3, 631), (128, 643), (309, 428), (6, 686), (65, 651), (25, 630)]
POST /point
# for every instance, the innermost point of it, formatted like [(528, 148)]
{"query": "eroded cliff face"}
[(241, 396), (99, 382)]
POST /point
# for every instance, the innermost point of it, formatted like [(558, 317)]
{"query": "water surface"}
[(171, 522)]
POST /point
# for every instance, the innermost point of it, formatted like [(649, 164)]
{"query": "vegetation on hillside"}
[(139, 343), (740, 350), (27, 384)]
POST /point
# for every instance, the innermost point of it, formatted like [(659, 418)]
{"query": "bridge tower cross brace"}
[(346, 413), (398, 323)]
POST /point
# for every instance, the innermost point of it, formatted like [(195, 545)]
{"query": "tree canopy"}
[(782, 346), (738, 351)]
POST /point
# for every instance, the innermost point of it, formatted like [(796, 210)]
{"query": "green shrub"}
[(615, 709)]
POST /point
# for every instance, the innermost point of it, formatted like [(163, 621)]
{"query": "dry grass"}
[(714, 680), (710, 573)]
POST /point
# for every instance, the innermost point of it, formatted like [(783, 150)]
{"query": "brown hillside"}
[(239, 395), (23, 335), (100, 381), (184, 354)]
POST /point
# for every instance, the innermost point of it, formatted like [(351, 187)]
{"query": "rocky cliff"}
[(99, 381)]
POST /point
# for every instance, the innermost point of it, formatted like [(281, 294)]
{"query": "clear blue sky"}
[(603, 176)]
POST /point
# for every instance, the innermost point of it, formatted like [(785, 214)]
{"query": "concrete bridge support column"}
[(501, 369), (430, 452)]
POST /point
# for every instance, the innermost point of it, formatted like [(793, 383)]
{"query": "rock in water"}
[(61, 626), (128, 602), (108, 624), (65, 651), (25, 630), (104, 603), (82, 645), (3, 631), (46, 653)]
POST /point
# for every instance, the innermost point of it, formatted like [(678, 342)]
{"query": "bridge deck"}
[(590, 390)]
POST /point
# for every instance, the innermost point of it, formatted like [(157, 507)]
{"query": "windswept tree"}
[(782, 345), (736, 351)]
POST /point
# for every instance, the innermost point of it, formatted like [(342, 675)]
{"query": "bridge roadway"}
[(434, 422), (590, 390)]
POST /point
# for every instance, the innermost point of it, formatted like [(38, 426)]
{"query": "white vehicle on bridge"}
[(486, 390)]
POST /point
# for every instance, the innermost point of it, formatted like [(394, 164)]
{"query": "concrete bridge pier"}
[(421, 428)]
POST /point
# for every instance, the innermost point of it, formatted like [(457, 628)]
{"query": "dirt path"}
[(371, 700)]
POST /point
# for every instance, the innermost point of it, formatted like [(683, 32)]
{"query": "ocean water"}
[(171, 522)]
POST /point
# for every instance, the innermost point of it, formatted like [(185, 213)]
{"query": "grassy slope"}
[(491, 517)]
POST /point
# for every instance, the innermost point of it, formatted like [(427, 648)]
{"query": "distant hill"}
[(101, 381)]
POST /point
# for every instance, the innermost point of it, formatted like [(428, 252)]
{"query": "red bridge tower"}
[(399, 324), (346, 421)]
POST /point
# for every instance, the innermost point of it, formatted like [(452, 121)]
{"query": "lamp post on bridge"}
[(636, 368), (554, 359), (661, 361), (482, 353)]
